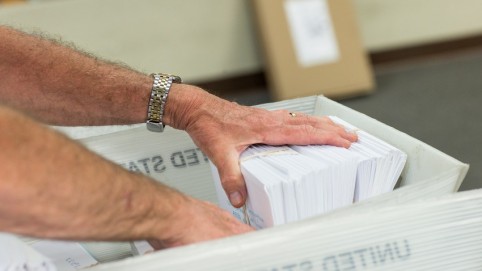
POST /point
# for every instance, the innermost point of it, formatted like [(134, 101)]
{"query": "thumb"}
[(232, 180)]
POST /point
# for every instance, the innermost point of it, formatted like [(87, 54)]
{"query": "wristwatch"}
[(157, 102)]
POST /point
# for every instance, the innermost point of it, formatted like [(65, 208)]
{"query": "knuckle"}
[(307, 130), (230, 181), (329, 137), (340, 130)]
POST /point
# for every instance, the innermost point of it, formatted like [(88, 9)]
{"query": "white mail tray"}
[(173, 158)]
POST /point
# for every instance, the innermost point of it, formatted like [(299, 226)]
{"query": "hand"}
[(197, 221), (223, 130)]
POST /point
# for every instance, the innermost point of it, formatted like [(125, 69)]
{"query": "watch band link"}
[(157, 102)]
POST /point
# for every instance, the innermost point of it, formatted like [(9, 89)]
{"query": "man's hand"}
[(223, 130), (197, 221)]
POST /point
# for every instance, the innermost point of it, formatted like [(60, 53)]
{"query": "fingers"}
[(232, 179), (324, 123), (199, 221), (301, 129), (342, 131)]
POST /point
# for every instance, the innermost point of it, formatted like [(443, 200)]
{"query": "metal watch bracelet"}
[(157, 102)]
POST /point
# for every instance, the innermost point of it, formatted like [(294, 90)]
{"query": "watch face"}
[(154, 126)]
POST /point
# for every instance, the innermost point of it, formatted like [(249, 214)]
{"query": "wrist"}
[(170, 219), (160, 212), (184, 101)]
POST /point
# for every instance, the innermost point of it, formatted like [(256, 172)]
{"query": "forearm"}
[(52, 187), (59, 85)]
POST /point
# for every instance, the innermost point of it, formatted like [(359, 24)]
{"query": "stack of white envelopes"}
[(290, 183), (379, 163)]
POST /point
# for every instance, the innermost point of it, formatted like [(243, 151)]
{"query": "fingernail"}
[(354, 136), (235, 198)]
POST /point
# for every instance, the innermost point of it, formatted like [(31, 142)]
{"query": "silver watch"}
[(157, 102)]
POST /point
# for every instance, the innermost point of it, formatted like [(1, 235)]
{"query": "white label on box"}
[(312, 32)]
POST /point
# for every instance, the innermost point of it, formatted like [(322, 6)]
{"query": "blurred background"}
[(425, 57)]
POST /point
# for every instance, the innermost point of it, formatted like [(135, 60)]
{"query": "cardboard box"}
[(312, 47), (177, 162)]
